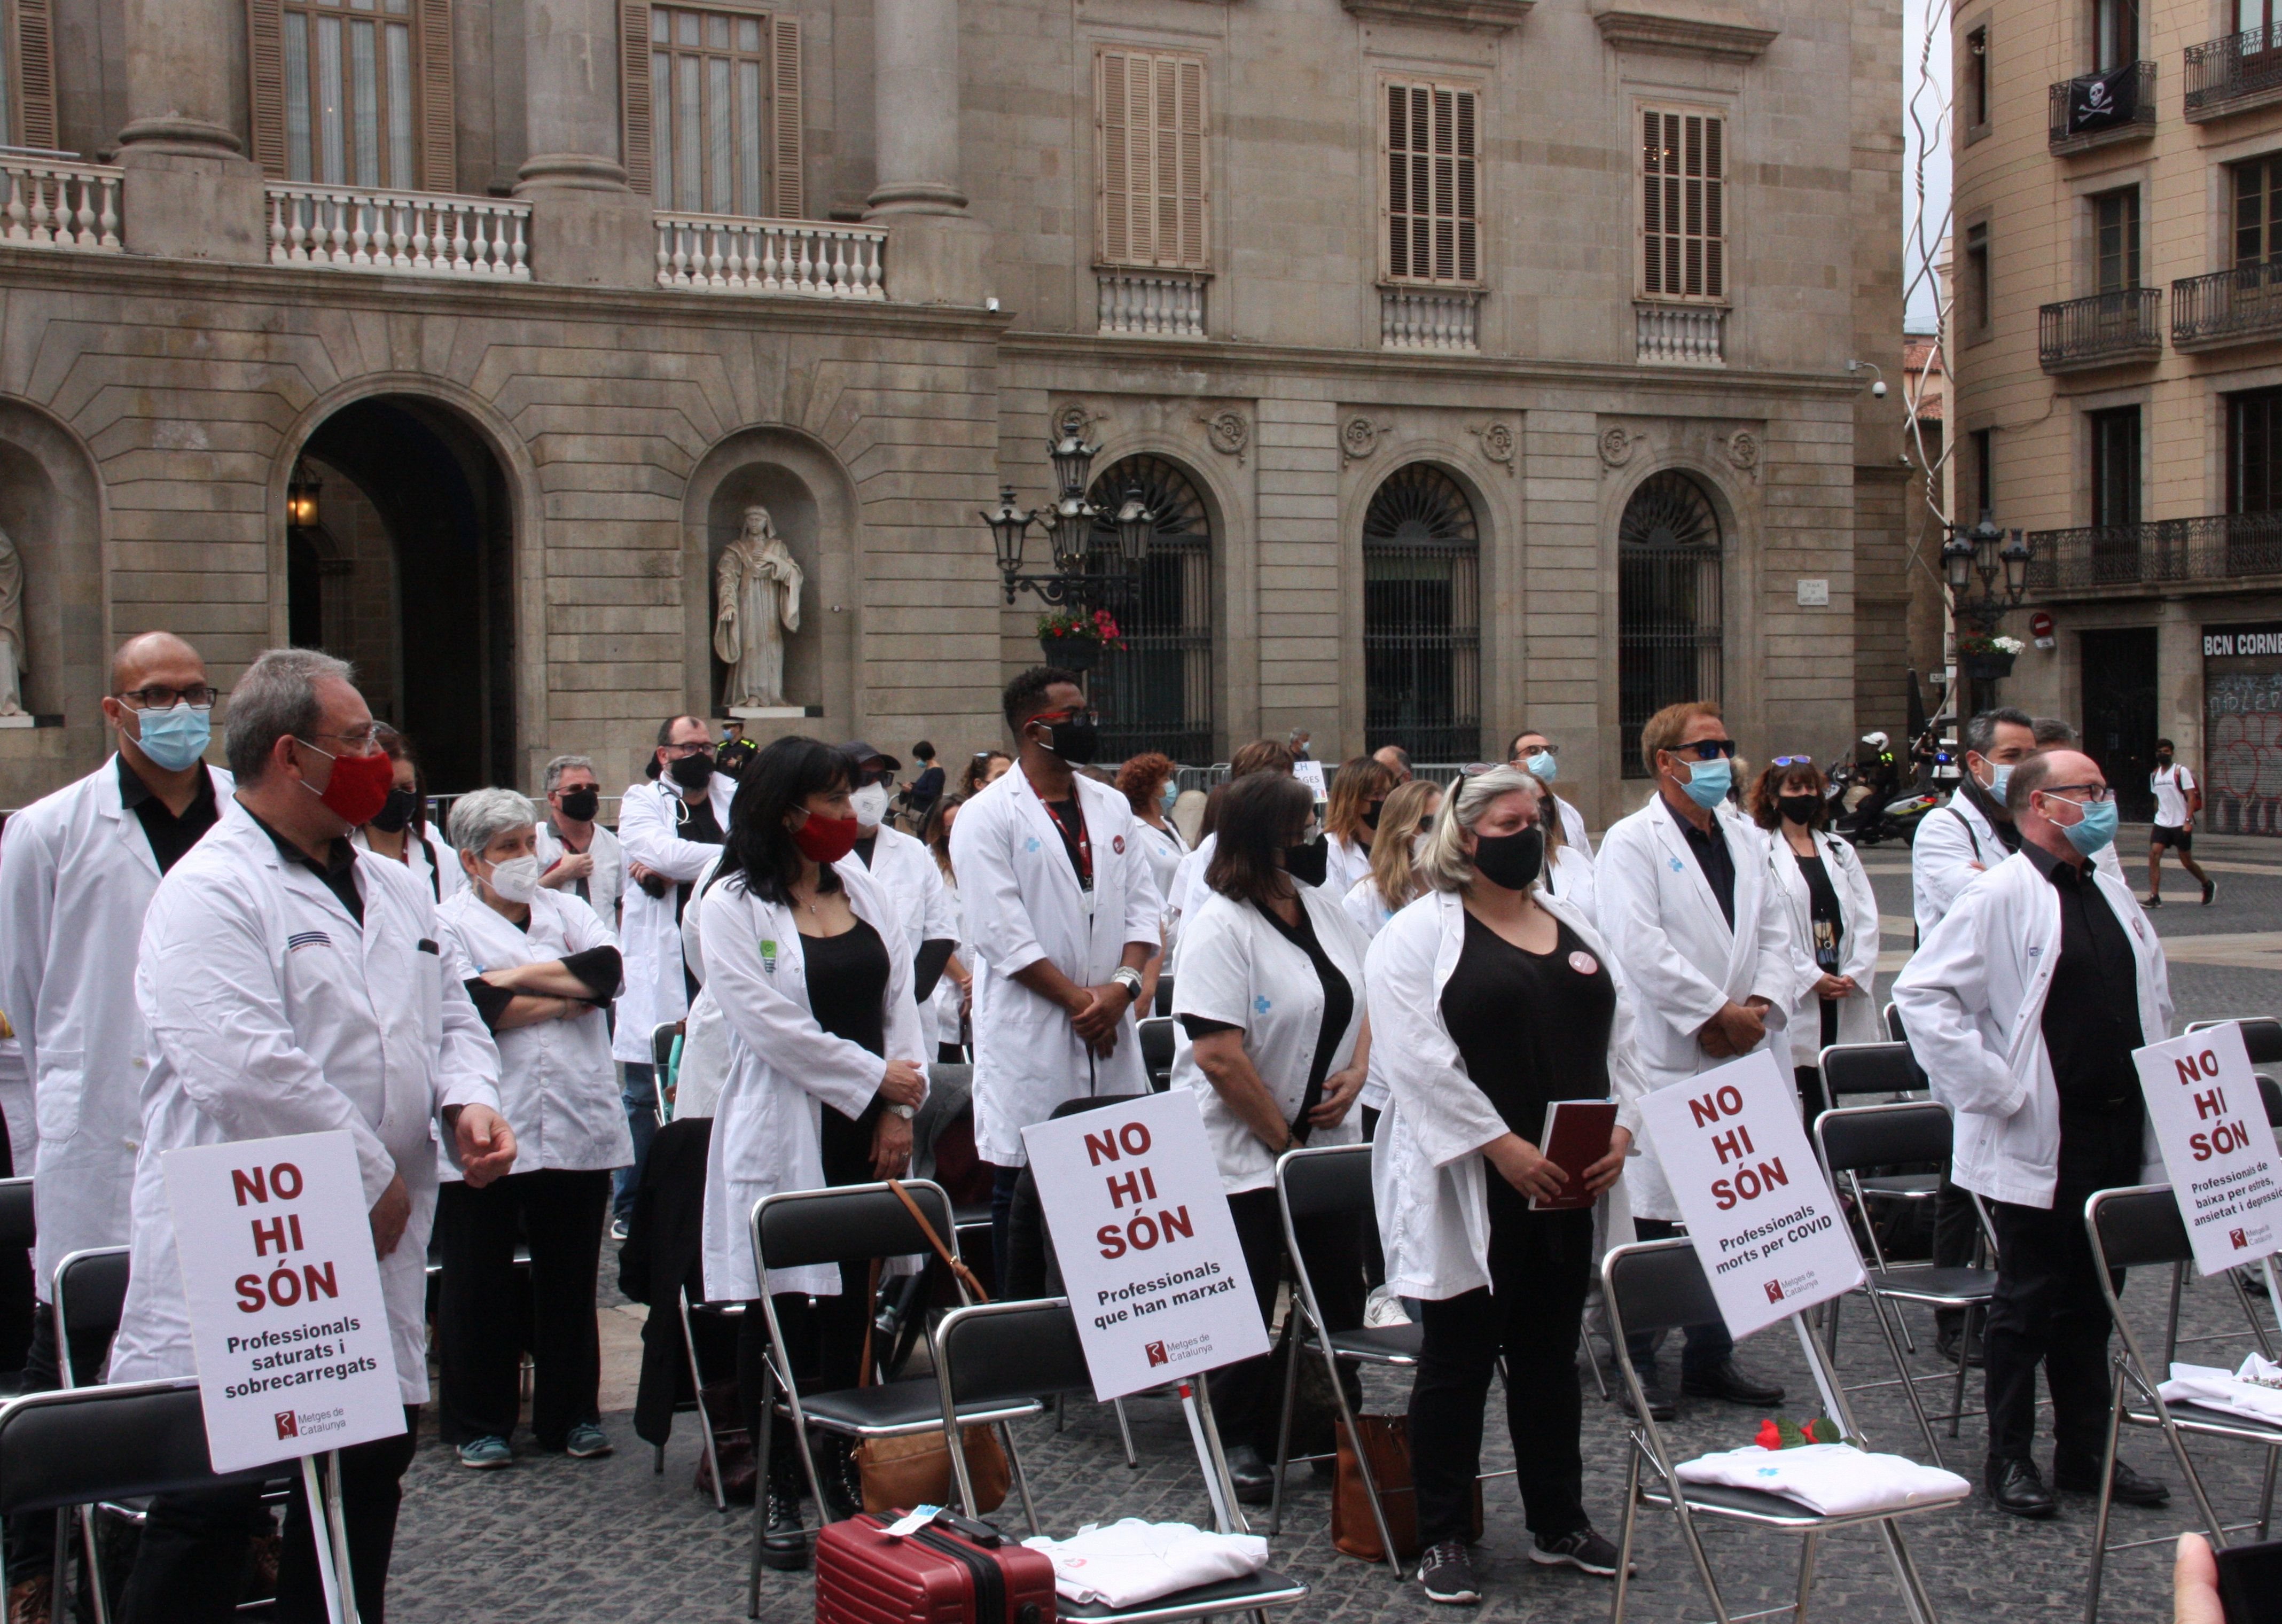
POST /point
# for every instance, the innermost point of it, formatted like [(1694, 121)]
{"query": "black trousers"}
[(2048, 1308), (1955, 1229), (192, 1563), (1540, 1265), (1247, 1397), (1708, 1345), (32, 1537), (478, 1329)]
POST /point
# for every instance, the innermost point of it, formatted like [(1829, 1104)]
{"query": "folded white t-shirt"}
[(1130, 1561), (2253, 1392), (1836, 1479)]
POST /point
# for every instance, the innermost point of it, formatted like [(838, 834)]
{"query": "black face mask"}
[(1370, 816), (1309, 864), (691, 772), (1511, 861), (1074, 741), (1798, 808), (396, 811), (580, 805)]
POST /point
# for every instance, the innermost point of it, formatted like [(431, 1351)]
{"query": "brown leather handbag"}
[(1386, 1444), (914, 1469)]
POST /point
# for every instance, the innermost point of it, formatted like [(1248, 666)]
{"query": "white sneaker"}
[(1383, 1310)]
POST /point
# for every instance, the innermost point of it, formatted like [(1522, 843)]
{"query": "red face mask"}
[(826, 839), (359, 787)]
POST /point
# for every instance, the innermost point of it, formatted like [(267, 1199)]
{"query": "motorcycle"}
[(1869, 826)]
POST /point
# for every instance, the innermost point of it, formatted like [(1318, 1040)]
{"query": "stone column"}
[(189, 190), (935, 251), (586, 225)]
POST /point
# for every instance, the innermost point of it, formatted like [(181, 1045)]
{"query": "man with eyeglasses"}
[(1690, 908), (1540, 757), (2024, 1005), (668, 828), (77, 871)]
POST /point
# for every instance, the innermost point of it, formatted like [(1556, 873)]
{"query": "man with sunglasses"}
[(2024, 1005), (1541, 757), (1690, 908)]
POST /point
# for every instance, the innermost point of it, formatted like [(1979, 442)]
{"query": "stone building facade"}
[(1480, 360)]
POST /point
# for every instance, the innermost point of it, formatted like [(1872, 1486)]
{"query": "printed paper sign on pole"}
[(2217, 1145), (1770, 1233), (1311, 773), (1148, 1249), (286, 1314)]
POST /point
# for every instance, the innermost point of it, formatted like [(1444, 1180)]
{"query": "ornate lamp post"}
[(301, 497), (1985, 556), (1081, 581)]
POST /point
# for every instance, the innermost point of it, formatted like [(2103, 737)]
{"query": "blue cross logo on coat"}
[(1031, 844), (1261, 1005), (1677, 866)]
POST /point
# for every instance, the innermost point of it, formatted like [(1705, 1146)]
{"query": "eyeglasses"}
[(1792, 761), (683, 751), (1475, 769), (198, 696), (867, 776), (364, 739), (1524, 752), (1704, 750), (2094, 795), (1052, 717)]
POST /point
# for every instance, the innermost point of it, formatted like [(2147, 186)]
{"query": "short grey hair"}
[(275, 699), (561, 764), (1446, 865), (1981, 732), (482, 816), (2053, 733)]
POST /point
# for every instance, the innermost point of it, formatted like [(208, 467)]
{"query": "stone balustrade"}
[(422, 234), (1681, 335), (1429, 318), (1150, 304), (60, 204), (807, 258)]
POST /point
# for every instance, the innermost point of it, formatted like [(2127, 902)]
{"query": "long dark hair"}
[(1259, 815), (396, 747), (1803, 778), (759, 848), (935, 830)]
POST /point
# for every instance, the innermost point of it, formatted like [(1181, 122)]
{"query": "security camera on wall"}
[(1878, 390)]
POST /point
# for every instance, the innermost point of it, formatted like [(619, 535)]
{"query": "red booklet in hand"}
[(1576, 1136)]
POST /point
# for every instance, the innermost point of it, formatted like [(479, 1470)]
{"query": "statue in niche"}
[(12, 626), (757, 591)]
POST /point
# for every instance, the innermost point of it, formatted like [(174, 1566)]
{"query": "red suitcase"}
[(954, 1571)]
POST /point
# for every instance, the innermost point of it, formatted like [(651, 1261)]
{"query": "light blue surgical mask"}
[(2095, 831), (1709, 781), (2000, 773), (1545, 767), (1172, 794), (173, 739)]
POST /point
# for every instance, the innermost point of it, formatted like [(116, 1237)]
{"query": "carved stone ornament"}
[(1744, 449), (1229, 433), (1497, 444), (1072, 419), (1359, 438), (1616, 447)]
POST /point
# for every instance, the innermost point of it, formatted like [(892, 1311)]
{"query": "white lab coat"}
[(1022, 903), (945, 1025), (1572, 827), (1972, 1000), (1858, 945), (1955, 845), (1346, 862), (1189, 890), (784, 1069), (435, 864), (1684, 963), (76, 877), (1570, 877), (1366, 907), (650, 935), (1429, 1178), (704, 1069), (1241, 970), (272, 1012), (907, 872), (558, 1088), (604, 885)]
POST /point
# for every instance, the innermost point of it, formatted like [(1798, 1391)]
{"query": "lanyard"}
[(1078, 839)]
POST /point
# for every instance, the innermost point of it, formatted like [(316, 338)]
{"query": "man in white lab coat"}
[(669, 828), (1058, 898), (578, 854), (2023, 1006), (1688, 907), (1540, 757), (291, 984), (905, 870)]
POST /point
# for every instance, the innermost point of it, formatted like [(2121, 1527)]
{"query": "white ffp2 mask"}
[(870, 805), (517, 880)]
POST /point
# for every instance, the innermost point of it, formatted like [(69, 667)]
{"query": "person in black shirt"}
[(1834, 919)]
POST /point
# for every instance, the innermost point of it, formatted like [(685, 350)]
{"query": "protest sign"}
[(287, 1318), (1148, 1252), (1311, 773), (2218, 1148), (1771, 1235)]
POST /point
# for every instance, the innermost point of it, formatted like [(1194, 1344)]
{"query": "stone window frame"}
[(784, 141), (1984, 29), (1467, 251), (434, 151), (1718, 292), (1976, 321), (1121, 175)]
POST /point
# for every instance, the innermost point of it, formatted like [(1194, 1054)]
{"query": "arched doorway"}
[(407, 571), (1156, 693), (1422, 640), (1669, 595)]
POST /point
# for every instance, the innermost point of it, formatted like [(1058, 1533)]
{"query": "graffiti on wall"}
[(2242, 773)]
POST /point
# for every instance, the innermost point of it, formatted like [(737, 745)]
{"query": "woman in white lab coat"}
[(1271, 1037), (400, 828), (952, 1007), (1489, 1000), (1147, 782), (803, 952), (542, 968), (1834, 921), (1351, 813)]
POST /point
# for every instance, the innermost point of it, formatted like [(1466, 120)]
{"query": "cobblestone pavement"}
[(571, 1541)]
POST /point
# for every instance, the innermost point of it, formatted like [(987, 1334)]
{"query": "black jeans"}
[(1531, 1312), (2048, 1308), (32, 1536), (1955, 1229), (1708, 1345), (192, 1563), (1247, 1397), (479, 1331)]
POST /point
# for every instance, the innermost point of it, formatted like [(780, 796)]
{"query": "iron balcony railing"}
[(2216, 548), (2095, 108), (2226, 70), (2227, 305), (2122, 324)]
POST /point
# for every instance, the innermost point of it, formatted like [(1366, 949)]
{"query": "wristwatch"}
[(1126, 976), (904, 1111)]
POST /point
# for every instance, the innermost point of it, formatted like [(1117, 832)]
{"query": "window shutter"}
[(35, 72), (1112, 141), (439, 166), (784, 115), (1432, 205), (633, 93), (1683, 205), (1193, 168), (264, 43), (1152, 160)]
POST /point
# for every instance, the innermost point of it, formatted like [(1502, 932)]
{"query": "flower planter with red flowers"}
[(1074, 640)]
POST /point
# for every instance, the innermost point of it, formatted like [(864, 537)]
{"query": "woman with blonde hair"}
[(1392, 883), (1357, 802)]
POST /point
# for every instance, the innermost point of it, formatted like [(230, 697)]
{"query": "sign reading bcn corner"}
[(2202, 1100), (1149, 1256), (286, 1314)]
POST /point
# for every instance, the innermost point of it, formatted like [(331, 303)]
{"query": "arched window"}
[(1156, 693), (1422, 640), (1668, 603)]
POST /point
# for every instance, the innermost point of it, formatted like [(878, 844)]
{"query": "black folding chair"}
[(2138, 1228), (1164, 1006), (1660, 1285), (991, 1356), (1850, 1139), (89, 1293), (853, 1224), (1894, 1023), (20, 1230), (1156, 1051)]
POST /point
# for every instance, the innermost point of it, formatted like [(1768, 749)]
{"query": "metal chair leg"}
[(1805, 1577), (705, 1416), (2266, 1497), (97, 1595), (1362, 1459), (1021, 1478), (1906, 1572), (1284, 1428), (1125, 1436), (764, 1447), (2107, 1496), (1625, 1533), (1902, 1370)]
